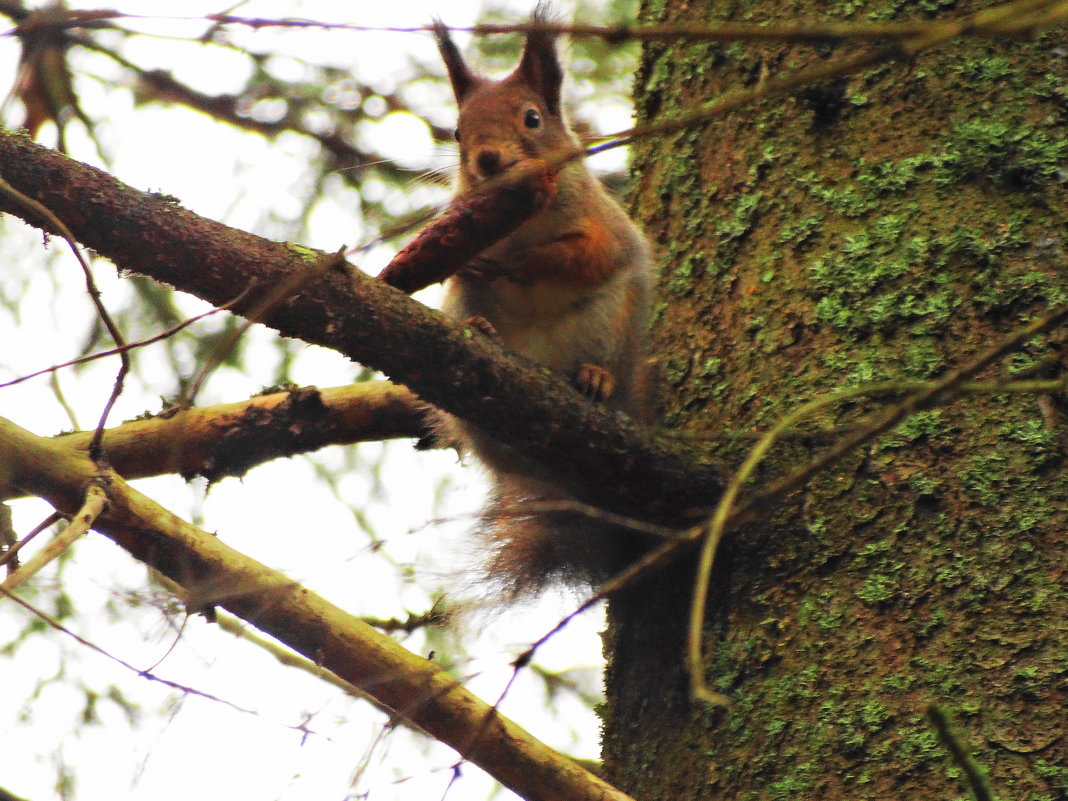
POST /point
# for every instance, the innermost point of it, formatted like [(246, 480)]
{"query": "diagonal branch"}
[(607, 460), (229, 439), (80, 523), (415, 688)]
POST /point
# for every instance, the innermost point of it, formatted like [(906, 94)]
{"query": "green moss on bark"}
[(885, 228)]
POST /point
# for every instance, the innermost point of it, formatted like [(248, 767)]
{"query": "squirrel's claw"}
[(595, 382)]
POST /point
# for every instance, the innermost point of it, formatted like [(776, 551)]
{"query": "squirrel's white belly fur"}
[(551, 323)]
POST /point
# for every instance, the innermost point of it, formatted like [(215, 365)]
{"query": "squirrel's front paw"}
[(595, 382), (483, 325)]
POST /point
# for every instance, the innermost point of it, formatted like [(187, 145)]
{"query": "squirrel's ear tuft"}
[(460, 75), (540, 65)]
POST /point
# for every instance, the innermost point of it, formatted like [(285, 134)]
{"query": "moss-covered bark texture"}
[(885, 226)]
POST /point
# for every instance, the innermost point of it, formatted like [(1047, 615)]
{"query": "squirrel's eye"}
[(532, 119), (456, 133)]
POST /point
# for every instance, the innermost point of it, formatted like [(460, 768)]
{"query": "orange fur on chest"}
[(585, 257)]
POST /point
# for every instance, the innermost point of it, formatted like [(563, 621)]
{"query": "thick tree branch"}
[(607, 460), (229, 439), (413, 687)]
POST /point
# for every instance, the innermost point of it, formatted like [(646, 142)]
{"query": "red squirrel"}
[(568, 289)]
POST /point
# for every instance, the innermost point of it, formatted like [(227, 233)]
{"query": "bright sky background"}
[(280, 513)]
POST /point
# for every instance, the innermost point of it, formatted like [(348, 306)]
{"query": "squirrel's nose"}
[(489, 163)]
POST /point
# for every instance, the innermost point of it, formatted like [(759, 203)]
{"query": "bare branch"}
[(111, 352), (228, 439), (80, 523), (9, 556), (214, 573), (145, 674)]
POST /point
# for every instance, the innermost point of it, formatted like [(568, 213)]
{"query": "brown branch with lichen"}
[(228, 439), (609, 461)]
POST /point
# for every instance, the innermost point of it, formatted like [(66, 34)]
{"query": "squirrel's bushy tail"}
[(532, 533), (537, 535)]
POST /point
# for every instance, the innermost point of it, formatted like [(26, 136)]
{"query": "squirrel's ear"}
[(540, 66), (460, 75)]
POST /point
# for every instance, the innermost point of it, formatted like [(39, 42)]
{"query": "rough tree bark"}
[(885, 226)]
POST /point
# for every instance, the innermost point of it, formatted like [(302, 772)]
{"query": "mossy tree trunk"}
[(883, 227)]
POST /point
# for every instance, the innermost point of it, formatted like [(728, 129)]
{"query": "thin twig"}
[(182, 688), (34, 207), (127, 347), (1002, 20), (939, 392), (951, 739), (805, 32), (11, 555), (95, 501), (909, 39), (922, 395), (277, 295), (61, 399)]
